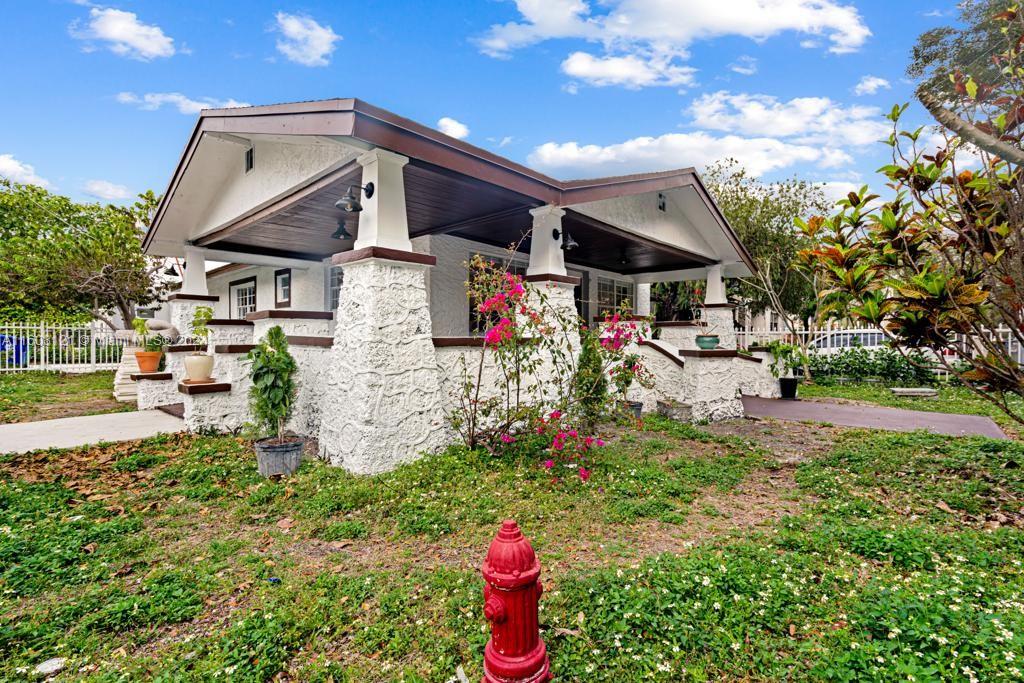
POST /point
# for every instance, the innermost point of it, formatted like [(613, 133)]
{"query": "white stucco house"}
[(374, 301)]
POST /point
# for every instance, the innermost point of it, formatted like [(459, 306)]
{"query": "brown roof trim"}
[(227, 268), (229, 322), (663, 351), (181, 348), (233, 348), (211, 388), (324, 342), (138, 376), (383, 253), (193, 297), (297, 315), (551, 277)]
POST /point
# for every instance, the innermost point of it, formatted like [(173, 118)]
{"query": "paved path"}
[(877, 417), (68, 432)]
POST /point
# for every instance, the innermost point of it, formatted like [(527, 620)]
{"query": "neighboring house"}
[(374, 300)]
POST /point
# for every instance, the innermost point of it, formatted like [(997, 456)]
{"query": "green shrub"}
[(343, 531)]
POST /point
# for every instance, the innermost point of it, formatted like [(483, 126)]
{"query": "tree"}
[(940, 267), (59, 255), (762, 215)]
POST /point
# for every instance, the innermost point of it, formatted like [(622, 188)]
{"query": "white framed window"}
[(613, 294), (283, 288), (335, 278), (242, 294)]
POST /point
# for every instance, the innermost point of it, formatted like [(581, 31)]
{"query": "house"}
[(374, 300)]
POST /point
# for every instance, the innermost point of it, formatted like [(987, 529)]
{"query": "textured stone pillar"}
[(642, 305), (381, 399), (719, 320), (183, 307)]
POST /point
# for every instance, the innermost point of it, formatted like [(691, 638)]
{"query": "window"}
[(242, 294), (476, 322), (612, 294), (661, 202), (283, 288), (250, 159), (336, 277)]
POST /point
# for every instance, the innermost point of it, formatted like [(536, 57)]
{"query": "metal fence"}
[(26, 347)]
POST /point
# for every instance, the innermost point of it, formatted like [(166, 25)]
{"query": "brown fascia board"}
[(350, 117)]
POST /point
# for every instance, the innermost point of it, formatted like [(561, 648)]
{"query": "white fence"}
[(68, 348)]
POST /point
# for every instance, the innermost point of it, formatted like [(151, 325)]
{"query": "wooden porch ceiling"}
[(438, 201)]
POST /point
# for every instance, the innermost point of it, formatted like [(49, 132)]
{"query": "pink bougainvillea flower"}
[(506, 438), (555, 414), (599, 442), (548, 464), (584, 473)]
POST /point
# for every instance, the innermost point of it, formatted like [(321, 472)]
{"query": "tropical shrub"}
[(272, 369), (884, 363)]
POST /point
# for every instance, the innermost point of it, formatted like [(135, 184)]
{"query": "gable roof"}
[(376, 127)]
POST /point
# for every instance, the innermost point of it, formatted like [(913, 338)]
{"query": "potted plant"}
[(271, 397), (785, 358), (152, 347), (707, 341), (623, 375), (199, 364)]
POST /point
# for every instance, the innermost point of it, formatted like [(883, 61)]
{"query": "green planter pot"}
[(707, 341)]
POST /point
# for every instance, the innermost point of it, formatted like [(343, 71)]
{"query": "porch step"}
[(125, 390)]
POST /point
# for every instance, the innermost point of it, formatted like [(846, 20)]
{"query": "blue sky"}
[(99, 99)]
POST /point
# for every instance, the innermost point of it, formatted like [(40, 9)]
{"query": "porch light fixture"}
[(349, 202), (171, 271), (341, 233), (567, 241)]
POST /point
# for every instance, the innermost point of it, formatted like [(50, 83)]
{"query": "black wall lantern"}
[(567, 241), (349, 202)]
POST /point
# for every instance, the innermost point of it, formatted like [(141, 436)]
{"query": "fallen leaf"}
[(945, 508), (285, 523), (90, 548)]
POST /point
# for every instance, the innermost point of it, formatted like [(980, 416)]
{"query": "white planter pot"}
[(198, 367)]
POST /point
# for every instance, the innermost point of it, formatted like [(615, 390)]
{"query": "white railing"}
[(59, 348)]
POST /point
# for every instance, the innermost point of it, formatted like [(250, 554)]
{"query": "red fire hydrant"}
[(515, 653)]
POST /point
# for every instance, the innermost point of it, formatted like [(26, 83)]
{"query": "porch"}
[(357, 224)]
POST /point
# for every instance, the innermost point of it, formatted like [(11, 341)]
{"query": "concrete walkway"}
[(68, 432), (873, 417)]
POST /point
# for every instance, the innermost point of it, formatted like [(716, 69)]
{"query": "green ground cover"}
[(171, 559), (31, 396)]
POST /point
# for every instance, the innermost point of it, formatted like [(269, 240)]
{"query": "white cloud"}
[(869, 85), (104, 189), (674, 150), (630, 71), (644, 41), (745, 65), (304, 41), (838, 189), (450, 126), (124, 34), (806, 120), (186, 105), (20, 172)]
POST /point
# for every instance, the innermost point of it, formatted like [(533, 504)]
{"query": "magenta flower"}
[(548, 464)]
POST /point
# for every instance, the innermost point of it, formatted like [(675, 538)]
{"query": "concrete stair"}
[(124, 386)]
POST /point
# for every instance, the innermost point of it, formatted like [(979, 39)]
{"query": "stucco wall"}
[(307, 288), (278, 168)]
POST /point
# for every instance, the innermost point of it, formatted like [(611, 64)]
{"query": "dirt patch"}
[(788, 442)]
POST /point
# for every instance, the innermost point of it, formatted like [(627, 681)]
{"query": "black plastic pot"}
[(787, 385), (279, 458)]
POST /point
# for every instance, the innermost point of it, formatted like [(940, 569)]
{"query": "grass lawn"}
[(951, 399), (31, 396), (746, 551)]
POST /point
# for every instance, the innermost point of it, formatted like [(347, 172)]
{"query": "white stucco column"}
[(546, 254), (383, 221), (193, 280), (714, 293), (642, 305)]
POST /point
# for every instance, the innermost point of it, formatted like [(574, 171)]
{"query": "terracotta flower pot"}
[(149, 361), (198, 367)]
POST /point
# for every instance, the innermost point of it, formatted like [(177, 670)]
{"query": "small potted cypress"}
[(199, 364), (272, 370)]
